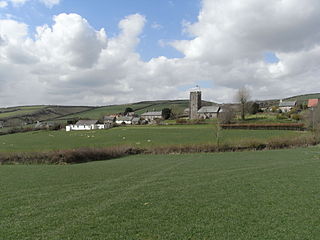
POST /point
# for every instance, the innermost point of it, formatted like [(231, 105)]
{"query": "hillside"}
[(302, 99), (31, 114), (176, 105), (15, 116)]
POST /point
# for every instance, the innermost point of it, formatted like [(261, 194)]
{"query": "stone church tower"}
[(195, 104)]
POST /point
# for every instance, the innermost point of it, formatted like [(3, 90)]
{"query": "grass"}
[(248, 195), (264, 118), (303, 98), (177, 106), (139, 136), (19, 111)]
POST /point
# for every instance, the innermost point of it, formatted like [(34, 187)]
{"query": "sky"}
[(102, 52)]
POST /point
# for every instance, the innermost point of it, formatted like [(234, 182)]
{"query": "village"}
[(193, 112)]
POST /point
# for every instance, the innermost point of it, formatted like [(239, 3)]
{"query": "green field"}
[(248, 195), (303, 98), (99, 112), (138, 136), (18, 111), (177, 106)]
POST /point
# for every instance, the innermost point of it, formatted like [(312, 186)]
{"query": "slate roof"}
[(136, 119), (124, 119), (313, 102), (109, 118), (152, 114), (86, 122), (209, 109), (287, 104)]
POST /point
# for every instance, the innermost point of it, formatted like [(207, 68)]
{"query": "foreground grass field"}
[(248, 195), (140, 136)]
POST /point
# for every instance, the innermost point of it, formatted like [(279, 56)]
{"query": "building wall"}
[(151, 118), (208, 115), (285, 109), (81, 127), (195, 104), (126, 122)]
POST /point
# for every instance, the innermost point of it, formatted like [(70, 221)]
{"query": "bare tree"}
[(312, 118), (226, 115), (243, 96)]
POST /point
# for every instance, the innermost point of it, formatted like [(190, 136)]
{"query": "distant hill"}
[(31, 114), (303, 99)]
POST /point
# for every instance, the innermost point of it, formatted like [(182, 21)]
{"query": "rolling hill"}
[(32, 114)]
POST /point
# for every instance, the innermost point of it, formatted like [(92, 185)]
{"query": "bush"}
[(181, 121), (226, 116), (296, 117), (281, 116), (69, 156), (166, 113), (266, 126)]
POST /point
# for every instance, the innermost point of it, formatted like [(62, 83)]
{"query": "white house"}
[(124, 120), (286, 106), (85, 125)]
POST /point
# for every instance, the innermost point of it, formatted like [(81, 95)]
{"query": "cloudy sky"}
[(101, 52)]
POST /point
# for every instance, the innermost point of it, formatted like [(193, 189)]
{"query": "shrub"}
[(281, 116), (69, 156), (296, 117), (181, 121)]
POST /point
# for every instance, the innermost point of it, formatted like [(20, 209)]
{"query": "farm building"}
[(313, 103), (208, 112), (286, 106), (85, 125), (150, 116), (109, 119), (136, 121), (124, 120)]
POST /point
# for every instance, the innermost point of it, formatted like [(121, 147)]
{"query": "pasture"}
[(137, 136), (246, 195), (177, 106)]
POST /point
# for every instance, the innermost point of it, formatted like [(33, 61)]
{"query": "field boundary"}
[(264, 126), (82, 155)]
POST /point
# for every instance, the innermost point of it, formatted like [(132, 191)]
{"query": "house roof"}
[(109, 118), (287, 104), (152, 114), (313, 102), (124, 119), (86, 122), (209, 109), (136, 119)]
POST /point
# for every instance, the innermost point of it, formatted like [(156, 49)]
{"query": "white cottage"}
[(85, 125), (286, 106), (124, 120)]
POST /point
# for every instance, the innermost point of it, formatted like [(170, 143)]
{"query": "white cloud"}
[(70, 62), (3, 4), (18, 3), (50, 3), (156, 26)]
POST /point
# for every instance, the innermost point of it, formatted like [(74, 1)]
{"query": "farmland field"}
[(19, 111), (139, 136), (246, 195), (139, 108)]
